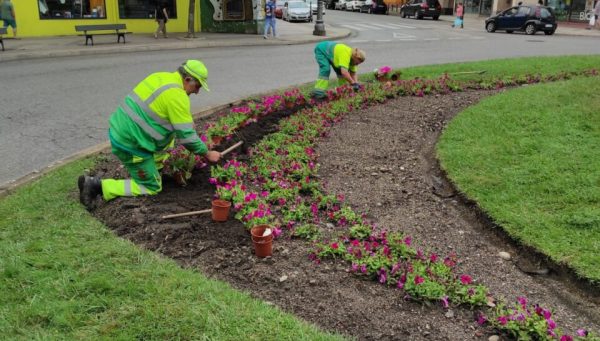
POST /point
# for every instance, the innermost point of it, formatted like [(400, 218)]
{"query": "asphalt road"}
[(53, 108)]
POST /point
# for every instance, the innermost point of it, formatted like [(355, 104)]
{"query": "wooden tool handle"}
[(186, 214), (231, 148)]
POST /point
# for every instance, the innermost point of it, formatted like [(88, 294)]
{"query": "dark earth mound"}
[(383, 160)]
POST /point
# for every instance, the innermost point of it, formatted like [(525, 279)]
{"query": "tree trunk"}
[(190, 32)]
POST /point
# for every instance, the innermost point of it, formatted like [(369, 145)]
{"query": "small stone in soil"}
[(504, 255), (283, 278)]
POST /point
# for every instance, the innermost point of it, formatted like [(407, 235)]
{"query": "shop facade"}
[(37, 18)]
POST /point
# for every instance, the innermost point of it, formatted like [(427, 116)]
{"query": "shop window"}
[(71, 9), (144, 9), (234, 10)]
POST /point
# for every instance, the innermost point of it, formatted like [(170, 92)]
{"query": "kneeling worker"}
[(150, 119), (344, 61)]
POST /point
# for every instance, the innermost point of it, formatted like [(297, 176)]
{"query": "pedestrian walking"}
[(7, 13), (459, 21), (343, 59), (149, 121), (270, 19), (596, 14), (162, 16)]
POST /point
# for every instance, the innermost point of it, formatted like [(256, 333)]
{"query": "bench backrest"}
[(2, 30), (100, 27)]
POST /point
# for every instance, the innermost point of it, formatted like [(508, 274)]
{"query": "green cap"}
[(196, 69)]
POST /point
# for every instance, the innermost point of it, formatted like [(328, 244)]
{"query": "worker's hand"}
[(213, 156), (356, 86)]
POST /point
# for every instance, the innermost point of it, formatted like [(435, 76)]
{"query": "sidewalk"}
[(289, 34)]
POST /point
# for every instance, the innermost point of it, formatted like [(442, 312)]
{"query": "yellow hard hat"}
[(196, 69)]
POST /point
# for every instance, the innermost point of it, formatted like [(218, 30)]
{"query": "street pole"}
[(319, 26)]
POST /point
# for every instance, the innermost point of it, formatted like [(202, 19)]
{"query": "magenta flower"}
[(433, 258), (213, 181), (277, 232), (522, 301), (481, 319), (419, 280), (382, 276), (407, 241), (354, 267), (551, 324), (566, 338), (334, 246), (503, 320), (582, 332), (363, 269), (445, 302), (465, 279)]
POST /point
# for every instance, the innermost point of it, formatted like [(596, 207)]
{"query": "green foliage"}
[(307, 231), (360, 231)]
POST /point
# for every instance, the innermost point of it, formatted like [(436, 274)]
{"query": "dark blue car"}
[(529, 19)]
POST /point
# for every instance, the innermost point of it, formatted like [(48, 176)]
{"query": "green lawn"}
[(64, 275), (531, 158)]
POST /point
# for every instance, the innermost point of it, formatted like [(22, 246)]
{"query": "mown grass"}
[(530, 157), (63, 275)]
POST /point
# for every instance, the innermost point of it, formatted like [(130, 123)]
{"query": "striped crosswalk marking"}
[(375, 27)]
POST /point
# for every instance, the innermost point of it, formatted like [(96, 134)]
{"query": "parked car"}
[(279, 8), (354, 5), (527, 18), (296, 11), (374, 6), (421, 8), (340, 4)]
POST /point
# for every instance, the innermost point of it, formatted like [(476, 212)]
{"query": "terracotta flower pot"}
[(220, 210), (217, 139), (179, 178), (263, 245)]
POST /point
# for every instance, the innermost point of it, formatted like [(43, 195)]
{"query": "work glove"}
[(356, 86)]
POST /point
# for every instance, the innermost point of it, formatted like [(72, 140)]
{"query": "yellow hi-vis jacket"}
[(152, 115)]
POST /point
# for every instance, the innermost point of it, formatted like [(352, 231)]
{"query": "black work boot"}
[(89, 188)]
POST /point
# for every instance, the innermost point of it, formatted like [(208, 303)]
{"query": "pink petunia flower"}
[(503, 320), (465, 279), (419, 280), (582, 332), (566, 338), (444, 301), (334, 246), (481, 319)]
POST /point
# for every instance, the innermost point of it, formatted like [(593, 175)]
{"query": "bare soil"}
[(383, 160)]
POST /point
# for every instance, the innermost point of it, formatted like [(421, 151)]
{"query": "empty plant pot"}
[(220, 210), (263, 242)]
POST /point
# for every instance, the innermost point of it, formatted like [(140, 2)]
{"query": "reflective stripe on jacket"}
[(152, 115)]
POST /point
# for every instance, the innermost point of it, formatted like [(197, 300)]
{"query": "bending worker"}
[(150, 119), (344, 61)]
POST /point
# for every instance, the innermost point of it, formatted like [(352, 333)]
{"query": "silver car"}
[(296, 11)]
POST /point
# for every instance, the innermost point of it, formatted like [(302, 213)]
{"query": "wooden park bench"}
[(89, 31), (2, 31)]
